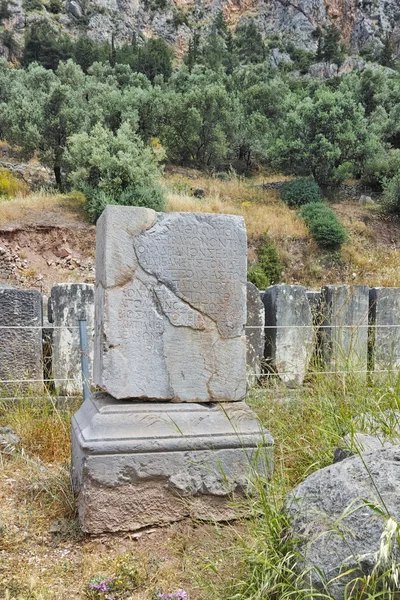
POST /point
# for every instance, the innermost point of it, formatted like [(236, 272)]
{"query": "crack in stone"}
[(176, 294)]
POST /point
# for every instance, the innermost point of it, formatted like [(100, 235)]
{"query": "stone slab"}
[(170, 305), (20, 349), (255, 333), (140, 464), (68, 303), (289, 333), (344, 333), (385, 331)]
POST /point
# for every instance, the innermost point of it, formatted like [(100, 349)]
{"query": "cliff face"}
[(362, 23)]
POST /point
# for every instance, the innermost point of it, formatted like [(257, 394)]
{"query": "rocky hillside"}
[(363, 23)]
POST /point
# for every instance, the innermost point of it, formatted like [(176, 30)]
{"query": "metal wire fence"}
[(82, 381)]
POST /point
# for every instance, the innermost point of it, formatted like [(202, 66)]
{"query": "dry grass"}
[(262, 210), (24, 208), (43, 555), (20, 206)]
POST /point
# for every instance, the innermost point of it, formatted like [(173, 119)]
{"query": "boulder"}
[(360, 442), (74, 8), (334, 521)]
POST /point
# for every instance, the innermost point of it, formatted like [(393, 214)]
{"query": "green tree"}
[(330, 49), (86, 52), (154, 58), (199, 125), (45, 46), (249, 43), (190, 58), (42, 111), (5, 12), (386, 57), (113, 168), (326, 136)]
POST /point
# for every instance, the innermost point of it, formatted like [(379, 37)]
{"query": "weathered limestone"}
[(289, 333), (169, 321), (255, 333), (314, 299), (152, 463), (338, 534), (170, 305), (20, 349), (344, 335), (68, 303), (385, 330)]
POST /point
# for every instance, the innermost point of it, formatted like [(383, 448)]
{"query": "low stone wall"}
[(291, 332), (355, 330)]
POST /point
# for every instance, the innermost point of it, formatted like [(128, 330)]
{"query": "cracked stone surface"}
[(20, 349), (68, 303), (344, 335), (170, 305), (289, 335)]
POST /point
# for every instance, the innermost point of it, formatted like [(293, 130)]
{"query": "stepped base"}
[(139, 464)]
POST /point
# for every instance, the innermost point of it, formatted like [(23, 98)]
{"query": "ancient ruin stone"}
[(344, 335), (140, 464), (170, 305), (255, 334), (289, 333), (338, 534), (68, 303), (20, 348), (385, 331)]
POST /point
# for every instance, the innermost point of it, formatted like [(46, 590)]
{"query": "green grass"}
[(306, 426), (251, 559)]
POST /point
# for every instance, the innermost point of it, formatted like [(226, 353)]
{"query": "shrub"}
[(55, 6), (268, 259), (10, 185), (391, 193), (268, 269), (257, 276), (114, 169), (299, 192), (323, 225), (97, 199), (379, 167)]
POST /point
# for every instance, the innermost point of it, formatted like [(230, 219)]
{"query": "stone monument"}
[(170, 435), (344, 330), (20, 341), (67, 303), (385, 329), (289, 334), (255, 333)]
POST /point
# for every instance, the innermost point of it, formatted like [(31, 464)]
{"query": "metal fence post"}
[(83, 343)]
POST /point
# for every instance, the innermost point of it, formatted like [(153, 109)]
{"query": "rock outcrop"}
[(363, 24)]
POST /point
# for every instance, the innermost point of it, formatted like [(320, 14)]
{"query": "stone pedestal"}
[(170, 310), (140, 464)]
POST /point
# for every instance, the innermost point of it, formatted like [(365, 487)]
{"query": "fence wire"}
[(51, 381)]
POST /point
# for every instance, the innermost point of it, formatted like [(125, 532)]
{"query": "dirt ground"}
[(43, 554)]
